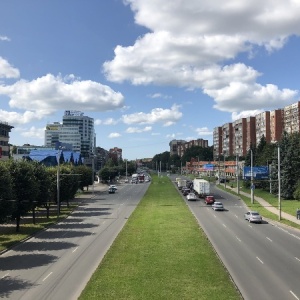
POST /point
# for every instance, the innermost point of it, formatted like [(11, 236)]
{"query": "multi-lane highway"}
[(263, 259), (58, 262)]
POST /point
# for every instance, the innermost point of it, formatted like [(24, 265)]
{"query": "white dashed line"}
[(47, 276), (269, 239), (259, 260), (74, 249), (294, 295), (238, 239), (297, 258)]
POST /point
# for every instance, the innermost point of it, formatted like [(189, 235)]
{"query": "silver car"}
[(217, 206), (253, 216)]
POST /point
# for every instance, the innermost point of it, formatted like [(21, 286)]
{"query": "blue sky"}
[(146, 71)]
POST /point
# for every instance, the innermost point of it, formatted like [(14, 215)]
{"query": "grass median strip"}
[(161, 253)]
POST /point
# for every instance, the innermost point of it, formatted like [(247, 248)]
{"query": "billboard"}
[(208, 167), (261, 172)]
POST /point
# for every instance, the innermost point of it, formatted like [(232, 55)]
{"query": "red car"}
[(209, 200)]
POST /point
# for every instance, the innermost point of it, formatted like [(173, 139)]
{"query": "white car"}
[(217, 206), (253, 216), (191, 196), (112, 186)]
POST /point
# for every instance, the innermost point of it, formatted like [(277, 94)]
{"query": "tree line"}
[(114, 168), (27, 185), (287, 152)]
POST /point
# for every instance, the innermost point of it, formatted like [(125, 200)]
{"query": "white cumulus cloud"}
[(157, 115), (197, 45)]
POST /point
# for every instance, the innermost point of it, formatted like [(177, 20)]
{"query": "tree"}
[(104, 174), (69, 183), (7, 203), (85, 178), (290, 166), (26, 188), (45, 192)]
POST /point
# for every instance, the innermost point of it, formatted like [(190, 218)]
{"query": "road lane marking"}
[(74, 249), (294, 295), (5, 275), (224, 225), (269, 239), (47, 276), (297, 258), (259, 260), (250, 225), (237, 238)]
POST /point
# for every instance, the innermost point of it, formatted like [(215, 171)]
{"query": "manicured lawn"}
[(161, 253)]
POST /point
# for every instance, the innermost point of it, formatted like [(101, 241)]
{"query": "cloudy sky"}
[(146, 71)]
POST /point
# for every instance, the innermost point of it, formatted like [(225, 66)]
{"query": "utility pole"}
[(237, 175), (252, 185), (279, 186), (225, 179)]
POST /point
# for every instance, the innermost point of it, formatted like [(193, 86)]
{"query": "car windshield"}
[(255, 214)]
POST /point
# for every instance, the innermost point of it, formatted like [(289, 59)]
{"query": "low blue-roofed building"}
[(49, 157)]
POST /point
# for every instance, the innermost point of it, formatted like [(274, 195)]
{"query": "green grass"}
[(161, 253)]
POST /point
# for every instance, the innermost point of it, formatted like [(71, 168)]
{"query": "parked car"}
[(191, 196), (217, 205), (209, 200), (253, 216), (126, 180)]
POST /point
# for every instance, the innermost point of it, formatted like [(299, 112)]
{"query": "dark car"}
[(111, 190), (209, 200), (186, 192)]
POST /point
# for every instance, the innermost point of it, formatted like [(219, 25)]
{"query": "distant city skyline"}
[(143, 80)]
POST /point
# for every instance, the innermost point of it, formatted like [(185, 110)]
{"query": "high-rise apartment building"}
[(4, 139), (292, 117), (276, 125), (262, 126), (236, 138), (76, 130), (175, 146)]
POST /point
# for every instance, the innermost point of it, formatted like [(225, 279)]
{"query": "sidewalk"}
[(267, 206)]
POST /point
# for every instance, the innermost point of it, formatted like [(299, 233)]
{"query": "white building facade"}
[(76, 130)]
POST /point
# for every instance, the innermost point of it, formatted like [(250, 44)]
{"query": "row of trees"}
[(26, 185), (114, 168), (289, 156), (173, 163)]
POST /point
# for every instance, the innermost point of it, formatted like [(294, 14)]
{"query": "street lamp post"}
[(279, 186), (237, 175), (93, 171), (58, 182), (252, 185), (225, 179)]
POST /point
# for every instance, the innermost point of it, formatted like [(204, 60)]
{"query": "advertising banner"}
[(261, 173), (208, 167)]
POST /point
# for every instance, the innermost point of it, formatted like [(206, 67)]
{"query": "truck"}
[(201, 187), (181, 183)]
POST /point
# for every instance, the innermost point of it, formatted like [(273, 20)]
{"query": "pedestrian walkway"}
[(269, 207)]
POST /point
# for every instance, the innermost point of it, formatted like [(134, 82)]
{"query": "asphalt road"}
[(57, 263), (262, 259)]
